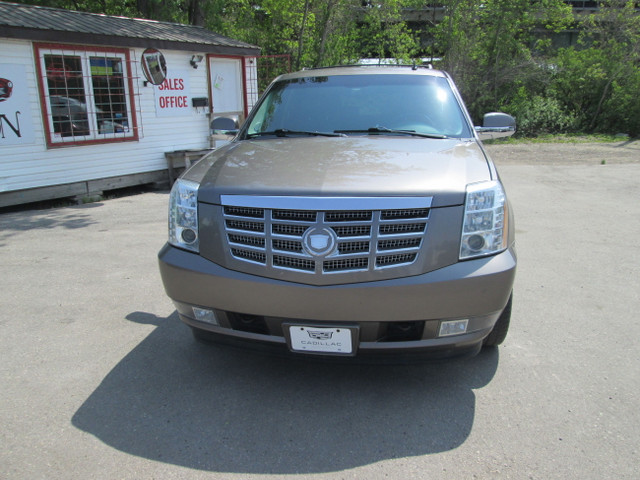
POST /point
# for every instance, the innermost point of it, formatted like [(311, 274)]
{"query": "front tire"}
[(500, 329)]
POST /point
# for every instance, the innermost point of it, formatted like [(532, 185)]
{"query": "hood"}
[(343, 166)]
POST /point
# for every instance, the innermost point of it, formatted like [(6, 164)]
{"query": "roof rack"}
[(413, 66)]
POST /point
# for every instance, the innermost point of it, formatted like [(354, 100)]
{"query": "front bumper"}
[(477, 290)]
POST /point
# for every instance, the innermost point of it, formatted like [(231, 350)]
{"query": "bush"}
[(539, 115), (602, 91), (621, 112)]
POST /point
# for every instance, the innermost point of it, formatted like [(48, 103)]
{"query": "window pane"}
[(109, 94), (66, 95)]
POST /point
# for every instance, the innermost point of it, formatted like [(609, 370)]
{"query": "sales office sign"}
[(173, 95)]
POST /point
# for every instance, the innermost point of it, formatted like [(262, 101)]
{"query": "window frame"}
[(85, 52)]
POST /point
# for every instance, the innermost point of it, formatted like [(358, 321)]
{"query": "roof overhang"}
[(80, 38)]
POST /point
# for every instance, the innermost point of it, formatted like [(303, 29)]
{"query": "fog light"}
[(188, 236), (453, 327), (474, 242), (204, 315)]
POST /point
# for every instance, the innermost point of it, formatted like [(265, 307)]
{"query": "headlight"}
[(183, 215), (484, 231)]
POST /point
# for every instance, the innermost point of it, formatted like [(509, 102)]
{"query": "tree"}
[(598, 81), (494, 49), (615, 29), (383, 33), (487, 46)]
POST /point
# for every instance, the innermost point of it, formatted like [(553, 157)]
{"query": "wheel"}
[(500, 329)]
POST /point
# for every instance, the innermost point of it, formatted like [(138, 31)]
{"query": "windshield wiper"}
[(284, 132), (395, 132)]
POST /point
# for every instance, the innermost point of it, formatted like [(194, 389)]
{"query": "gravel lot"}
[(627, 151), (100, 380)]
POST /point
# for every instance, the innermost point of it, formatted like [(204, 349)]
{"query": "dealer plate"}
[(321, 339)]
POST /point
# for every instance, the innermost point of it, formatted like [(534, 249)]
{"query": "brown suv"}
[(355, 213)]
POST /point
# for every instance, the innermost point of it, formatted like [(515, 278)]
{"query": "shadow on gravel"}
[(225, 410), (70, 218)]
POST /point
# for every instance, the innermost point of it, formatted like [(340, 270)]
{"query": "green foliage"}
[(494, 49), (383, 33), (621, 110), (109, 7), (539, 115), (599, 84), (579, 79), (487, 47)]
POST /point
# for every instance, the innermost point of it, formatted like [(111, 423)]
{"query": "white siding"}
[(35, 165)]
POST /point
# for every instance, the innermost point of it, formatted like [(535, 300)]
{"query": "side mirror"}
[(496, 125)]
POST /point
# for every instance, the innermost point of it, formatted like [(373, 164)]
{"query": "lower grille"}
[(326, 241), (368, 331)]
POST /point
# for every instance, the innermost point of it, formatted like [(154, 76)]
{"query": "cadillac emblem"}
[(319, 241), (317, 335)]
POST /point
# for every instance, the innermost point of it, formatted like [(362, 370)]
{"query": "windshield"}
[(360, 104)]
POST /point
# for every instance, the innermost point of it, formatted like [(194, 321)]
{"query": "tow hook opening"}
[(404, 331)]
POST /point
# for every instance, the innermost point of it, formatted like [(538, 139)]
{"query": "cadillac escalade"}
[(355, 213)]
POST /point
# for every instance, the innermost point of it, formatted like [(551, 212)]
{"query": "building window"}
[(86, 95)]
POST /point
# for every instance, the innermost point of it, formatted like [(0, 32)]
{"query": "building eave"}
[(81, 38)]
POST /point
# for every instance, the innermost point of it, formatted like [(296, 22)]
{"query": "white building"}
[(93, 102)]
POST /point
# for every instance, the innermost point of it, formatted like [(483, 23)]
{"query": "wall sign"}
[(16, 126), (173, 96)]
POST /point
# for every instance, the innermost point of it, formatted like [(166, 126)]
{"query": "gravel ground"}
[(627, 151), (100, 380)]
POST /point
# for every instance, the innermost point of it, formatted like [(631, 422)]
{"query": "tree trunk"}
[(302, 29), (326, 22), (143, 8), (196, 15), (592, 125)]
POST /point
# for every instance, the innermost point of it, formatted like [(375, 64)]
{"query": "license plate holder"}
[(325, 339)]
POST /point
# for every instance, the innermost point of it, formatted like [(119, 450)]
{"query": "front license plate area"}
[(325, 340)]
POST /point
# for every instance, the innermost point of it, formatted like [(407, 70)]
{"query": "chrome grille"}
[(287, 245), (285, 229), (358, 216), (404, 214), (402, 228), (398, 244), (247, 240), (245, 226), (353, 247), (324, 241), (249, 255), (295, 215), (294, 263), (353, 231), (399, 259), (244, 212), (348, 264)]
